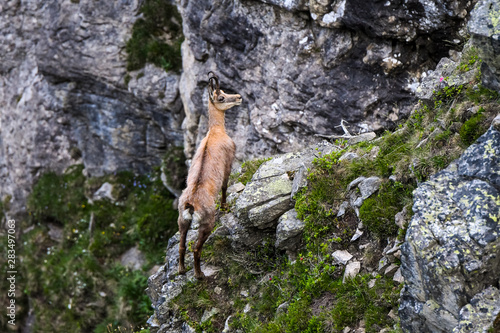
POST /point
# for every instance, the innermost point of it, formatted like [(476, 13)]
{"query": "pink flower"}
[(441, 79)]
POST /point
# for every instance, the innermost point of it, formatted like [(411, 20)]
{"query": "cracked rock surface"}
[(452, 242)]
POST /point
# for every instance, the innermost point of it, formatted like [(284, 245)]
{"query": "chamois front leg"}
[(227, 172), (183, 228), (223, 204)]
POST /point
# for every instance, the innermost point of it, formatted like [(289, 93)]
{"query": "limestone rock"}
[(341, 256), (398, 277), (449, 253), (351, 270), (361, 138), (357, 234), (105, 191), (289, 231), (369, 186), (401, 218)]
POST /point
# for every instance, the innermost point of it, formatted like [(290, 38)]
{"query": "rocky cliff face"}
[(64, 95), (302, 66)]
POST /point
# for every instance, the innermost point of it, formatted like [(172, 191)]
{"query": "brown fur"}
[(209, 173)]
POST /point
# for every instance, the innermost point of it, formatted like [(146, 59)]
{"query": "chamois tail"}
[(189, 214)]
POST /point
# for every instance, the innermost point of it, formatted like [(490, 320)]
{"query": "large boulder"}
[(269, 195), (484, 28), (451, 249)]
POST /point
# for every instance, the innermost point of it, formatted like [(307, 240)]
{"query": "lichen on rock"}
[(450, 248)]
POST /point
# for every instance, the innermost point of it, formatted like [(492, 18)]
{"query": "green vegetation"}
[(156, 37), (70, 255), (378, 211), (248, 168), (305, 293), (310, 288), (473, 128)]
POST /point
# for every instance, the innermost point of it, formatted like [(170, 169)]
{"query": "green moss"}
[(156, 37), (248, 169), (377, 212), (472, 129)]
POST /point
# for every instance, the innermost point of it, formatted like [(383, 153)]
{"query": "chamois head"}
[(218, 97)]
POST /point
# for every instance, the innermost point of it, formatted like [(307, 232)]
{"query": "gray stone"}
[(264, 216), (282, 308), (351, 270), (383, 264), (451, 239), (369, 186), (342, 208), (361, 138), (104, 192), (64, 100), (398, 277), (293, 55), (209, 314), (391, 270), (133, 258), (393, 315), (227, 329), (241, 236), (480, 313), (355, 182), (55, 232), (348, 156), (341, 256), (358, 233), (299, 181), (289, 231), (358, 202), (236, 188), (484, 27), (401, 218)]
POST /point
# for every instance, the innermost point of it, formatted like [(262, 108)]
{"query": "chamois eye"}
[(221, 99)]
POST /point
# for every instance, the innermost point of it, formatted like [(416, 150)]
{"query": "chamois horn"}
[(213, 84)]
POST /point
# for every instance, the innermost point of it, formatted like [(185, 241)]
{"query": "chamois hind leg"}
[(183, 229), (204, 231)]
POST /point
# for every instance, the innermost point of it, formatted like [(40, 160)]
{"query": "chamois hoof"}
[(182, 270), (200, 276)]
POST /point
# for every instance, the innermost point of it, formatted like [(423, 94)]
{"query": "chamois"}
[(209, 173)]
